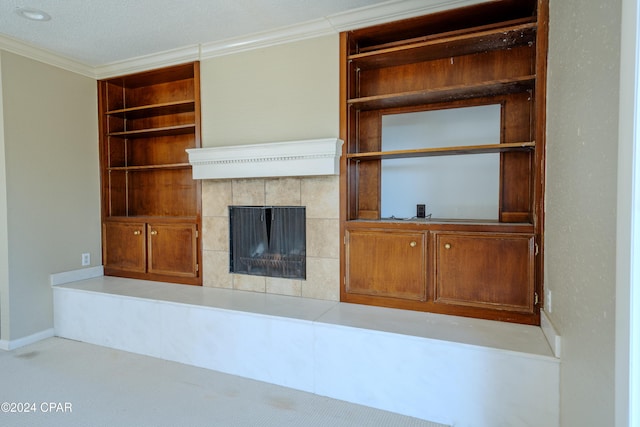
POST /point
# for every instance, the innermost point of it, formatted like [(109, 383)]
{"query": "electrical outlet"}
[(86, 259), (547, 301)]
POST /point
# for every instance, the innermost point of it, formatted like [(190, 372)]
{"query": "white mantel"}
[(310, 157)]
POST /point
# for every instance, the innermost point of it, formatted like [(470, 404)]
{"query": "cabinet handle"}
[(136, 232), (412, 244), (447, 246), (154, 232)]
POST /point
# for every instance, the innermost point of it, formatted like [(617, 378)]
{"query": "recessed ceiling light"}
[(33, 14)]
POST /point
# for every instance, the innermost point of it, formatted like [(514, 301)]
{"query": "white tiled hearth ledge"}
[(455, 371), (273, 159)]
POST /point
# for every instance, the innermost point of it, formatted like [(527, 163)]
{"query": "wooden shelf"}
[(150, 218), (447, 45), (441, 34), (162, 131), (157, 77), (154, 110), (151, 167), (441, 224), (444, 151), (151, 209), (445, 94)]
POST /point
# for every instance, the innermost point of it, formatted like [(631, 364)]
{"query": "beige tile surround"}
[(320, 196)]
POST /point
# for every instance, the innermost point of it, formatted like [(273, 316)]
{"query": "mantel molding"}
[(274, 159)]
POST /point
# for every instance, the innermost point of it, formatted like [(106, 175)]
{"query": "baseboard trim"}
[(76, 275), (550, 333), (9, 345)]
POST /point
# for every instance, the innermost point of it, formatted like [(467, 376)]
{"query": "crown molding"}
[(332, 24), (42, 55), (148, 62), (306, 30), (393, 10)]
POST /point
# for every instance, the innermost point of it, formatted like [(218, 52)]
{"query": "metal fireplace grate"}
[(268, 241)]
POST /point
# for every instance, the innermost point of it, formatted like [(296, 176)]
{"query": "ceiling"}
[(102, 38), (99, 32)]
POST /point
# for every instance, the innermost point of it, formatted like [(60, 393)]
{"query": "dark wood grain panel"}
[(462, 71), (172, 249), (124, 246), (390, 264), (162, 192), (486, 270)]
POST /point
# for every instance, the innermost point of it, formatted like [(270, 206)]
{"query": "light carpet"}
[(58, 382)]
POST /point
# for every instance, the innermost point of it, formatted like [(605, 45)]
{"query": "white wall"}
[(52, 185), (281, 93), (580, 234), (627, 382), (4, 243), (458, 187)]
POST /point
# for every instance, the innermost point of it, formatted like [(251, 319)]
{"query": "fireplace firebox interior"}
[(268, 241)]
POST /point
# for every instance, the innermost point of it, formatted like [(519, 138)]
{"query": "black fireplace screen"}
[(268, 241)]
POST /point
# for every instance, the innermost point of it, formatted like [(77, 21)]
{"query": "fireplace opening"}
[(268, 241)]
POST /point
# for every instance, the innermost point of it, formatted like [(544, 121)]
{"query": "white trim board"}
[(75, 275), (42, 55), (550, 333), (332, 24), (309, 157), (8, 345)]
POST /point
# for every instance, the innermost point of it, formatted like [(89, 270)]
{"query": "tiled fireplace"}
[(318, 193), (320, 197)]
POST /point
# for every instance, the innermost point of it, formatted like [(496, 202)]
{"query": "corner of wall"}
[(4, 238), (550, 333), (8, 345)]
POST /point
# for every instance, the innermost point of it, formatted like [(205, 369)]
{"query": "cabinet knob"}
[(447, 245), (154, 232), (413, 244), (136, 232)]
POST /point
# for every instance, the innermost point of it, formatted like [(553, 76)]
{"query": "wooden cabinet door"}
[(486, 270), (386, 263), (172, 249), (124, 246)]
